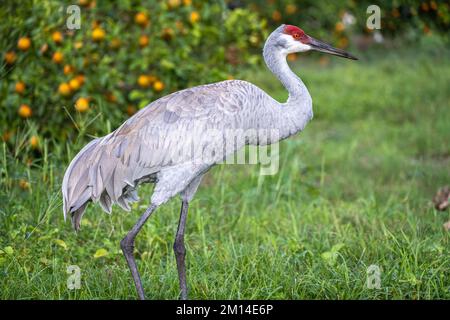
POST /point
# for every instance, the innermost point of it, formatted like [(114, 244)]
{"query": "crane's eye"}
[(296, 36)]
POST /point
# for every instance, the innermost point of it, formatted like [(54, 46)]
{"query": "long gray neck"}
[(276, 61), (293, 115)]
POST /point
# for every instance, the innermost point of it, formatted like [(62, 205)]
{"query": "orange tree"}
[(124, 55), (336, 20)]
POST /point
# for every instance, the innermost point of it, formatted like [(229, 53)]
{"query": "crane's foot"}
[(127, 245), (127, 249), (180, 251)]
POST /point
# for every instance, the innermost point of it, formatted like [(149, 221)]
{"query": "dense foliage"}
[(339, 19), (57, 82), (126, 54)]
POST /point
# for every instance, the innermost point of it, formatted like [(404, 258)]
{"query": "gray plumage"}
[(166, 142), (109, 169)]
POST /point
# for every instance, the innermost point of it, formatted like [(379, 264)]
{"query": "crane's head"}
[(290, 39)]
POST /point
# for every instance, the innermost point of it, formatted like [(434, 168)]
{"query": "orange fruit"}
[(167, 33), (80, 79), (158, 86), (276, 16), (143, 41), (144, 81), (34, 142), (24, 184), (58, 57), (339, 27), (25, 111), (194, 17), (343, 42), (291, 8), (82, 104), (57, 37), (64, 89), (74, 84), (187, 2), (131, 110), (173, 3), (10, 57), (6, 136), (68, 69), (141, 19), (24, 43), (78, 45), (20, 87), (292, 57), (110, 97), (98, 34)]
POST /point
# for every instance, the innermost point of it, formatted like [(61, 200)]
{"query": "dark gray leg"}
[(180, 250), (127, 245)]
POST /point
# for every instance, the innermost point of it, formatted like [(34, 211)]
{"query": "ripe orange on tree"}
[(20, 87), (58, 57), (74, 84), (158, 86), (98, 34), (143, 41), (64, 89), (339, 27), (25, 111), (141, 19), (24, 43), (80, 79), (68, 69), (10, 57), (57, 37), (34, 142), (82, 104), (144, 81), (194, 17), (174, 3)]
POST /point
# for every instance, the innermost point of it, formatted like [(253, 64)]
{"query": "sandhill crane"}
[(163, 143)]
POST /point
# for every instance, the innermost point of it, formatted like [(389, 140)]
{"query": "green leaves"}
[(8, 250), (331, 256), (100, 253), (61, 243), (181, 52)]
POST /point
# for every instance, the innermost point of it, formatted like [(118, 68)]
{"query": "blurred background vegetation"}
[(353, 189), (128, 53)]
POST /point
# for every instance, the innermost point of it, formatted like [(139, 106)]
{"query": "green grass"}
[(353, 190)]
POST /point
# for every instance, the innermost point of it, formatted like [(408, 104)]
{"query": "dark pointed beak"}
[(325, 47)]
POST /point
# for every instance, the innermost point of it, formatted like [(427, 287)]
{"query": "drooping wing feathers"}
[(108, 169)]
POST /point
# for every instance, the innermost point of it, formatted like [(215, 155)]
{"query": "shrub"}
[(125, 55)]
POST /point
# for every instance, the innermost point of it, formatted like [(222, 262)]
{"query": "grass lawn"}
[(353, 190)]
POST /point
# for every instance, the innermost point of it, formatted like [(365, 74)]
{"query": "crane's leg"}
[(180, 250), (127, 245)]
